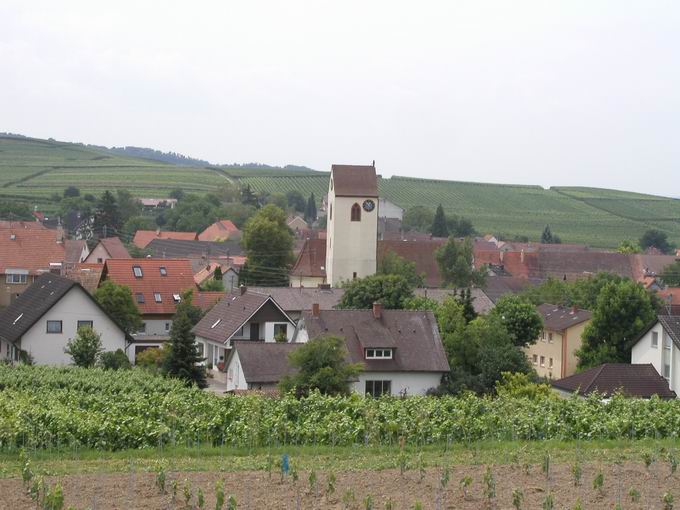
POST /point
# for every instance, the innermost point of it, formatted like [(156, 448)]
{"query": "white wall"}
[(390, 210), (99, 252), (269, 331), (415, 383), (306, 281), (235, 378), (48, 348), (643, 352), (159, 327)]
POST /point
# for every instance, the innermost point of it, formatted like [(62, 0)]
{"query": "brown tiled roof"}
[(219, 231), (496, 287), (644, 265), (641, 381), (413, 334), (297, 299), (420, 252), (144, 237), (312, 259), (87, 275), (263, 362), (73, 249), (354, 181), (34, 302), (481, 302), (115, 248), (230, 314), (559, 318), (179, 278), (181, 248), (29, 247)]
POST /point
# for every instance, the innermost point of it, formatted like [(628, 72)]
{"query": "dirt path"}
[(255, 490)]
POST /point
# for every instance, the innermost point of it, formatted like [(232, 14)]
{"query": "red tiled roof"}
[(27, 246), (559, 318), (219, 231), (88, 275), (312, 259), (144, 237), (205, 300), (179, 278), (420, 252), (115, 248)]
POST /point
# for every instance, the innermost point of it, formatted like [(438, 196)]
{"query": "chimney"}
[(243, 289), (574, 310), (315, 310), (521, 256), (60, 235), (158, 231), (377, 310)]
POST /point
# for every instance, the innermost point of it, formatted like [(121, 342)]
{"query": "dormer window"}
[(176, 298), (164, 271), (137, 271), (157, 297), (356, 212), (378, 353)]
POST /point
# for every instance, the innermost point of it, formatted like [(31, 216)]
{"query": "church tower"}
[(352, 223)]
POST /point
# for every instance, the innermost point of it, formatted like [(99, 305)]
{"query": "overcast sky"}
[(552, 93)]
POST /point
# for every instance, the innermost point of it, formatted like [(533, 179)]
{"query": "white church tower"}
[(352, 224)]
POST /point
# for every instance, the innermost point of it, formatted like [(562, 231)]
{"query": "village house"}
[(659, 345), (42, 320), (258, 365), (87, 275), (400, 350), (297, 224), (240, 315), (553, 355), (222, 230), (150, 204), (229, 275), (200, 253), (107, 248), (637, 381), (28, 250), (157, 286), (144, 237)]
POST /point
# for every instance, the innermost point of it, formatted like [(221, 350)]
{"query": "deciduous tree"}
[(391, 263), (390, 290), (85, 348), (455, 261), (520, 319), (322, 366), (653, 238), (117, 301)]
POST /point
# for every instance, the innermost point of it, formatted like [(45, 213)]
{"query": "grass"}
[(32, 170), (323, 458)]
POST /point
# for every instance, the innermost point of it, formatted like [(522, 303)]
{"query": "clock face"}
[(369, 205)]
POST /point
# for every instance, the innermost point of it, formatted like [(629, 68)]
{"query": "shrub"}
[(85, 348), (114, 360)]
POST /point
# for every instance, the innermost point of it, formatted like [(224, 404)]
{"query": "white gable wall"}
[(235, 378), (76, 305), (643, 352)]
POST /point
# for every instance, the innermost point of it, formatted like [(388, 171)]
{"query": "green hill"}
[(32, 170)]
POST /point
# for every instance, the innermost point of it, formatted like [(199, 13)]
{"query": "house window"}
[(100, 260), (655, 340), (16, 278), (140, 297), (85, 324), (354, 275), (163, 270), (667, 357), (535, 359), (550, 338), (550, 363), (54, 326), (356, 212), (217, 322), (378, 388), (176, 298), (281, 330), (142, 328), (330, 213), (378, 353), (167, 326), (200, 348), (542, 361), (543, 335), (137, 271), (157, 297)]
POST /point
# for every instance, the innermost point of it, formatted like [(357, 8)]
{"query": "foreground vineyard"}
[(44, 407)]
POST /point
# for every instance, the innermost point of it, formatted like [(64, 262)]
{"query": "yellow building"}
[(554, 353)]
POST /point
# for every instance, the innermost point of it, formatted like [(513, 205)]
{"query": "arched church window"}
[(356, 212)]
